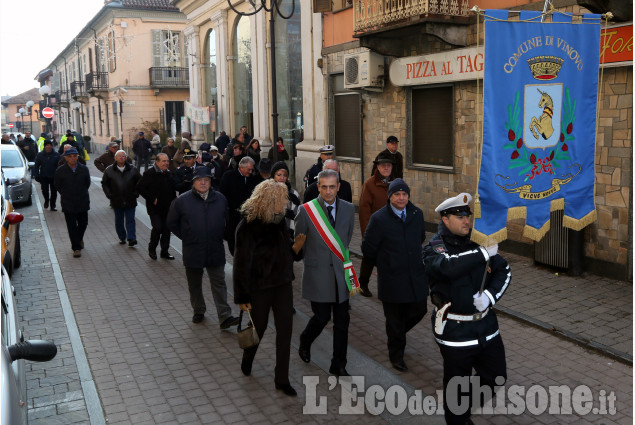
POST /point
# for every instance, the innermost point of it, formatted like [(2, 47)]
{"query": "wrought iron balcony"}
[(96, 81), (371, 15), (78, 89), (62, 97), (169, 76)]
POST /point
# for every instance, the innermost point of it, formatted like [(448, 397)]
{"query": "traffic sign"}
[(10, 125), (47, 113)]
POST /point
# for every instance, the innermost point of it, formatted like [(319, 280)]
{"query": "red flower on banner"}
[(519, 144), (515, 154), (511, 135), (570, 128)]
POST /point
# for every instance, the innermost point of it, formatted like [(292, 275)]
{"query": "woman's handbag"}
[(247, 337)]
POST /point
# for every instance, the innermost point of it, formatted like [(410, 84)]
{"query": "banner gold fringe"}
[(580, 224), (477, 206), (532, 232)]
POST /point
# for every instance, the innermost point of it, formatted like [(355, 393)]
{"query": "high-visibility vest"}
[(40, 144)]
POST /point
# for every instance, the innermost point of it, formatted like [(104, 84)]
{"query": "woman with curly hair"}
[(263, 273)]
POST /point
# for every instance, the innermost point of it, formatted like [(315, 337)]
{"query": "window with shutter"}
[(432, 127), (346, 121), (156, 48), (112, 56)]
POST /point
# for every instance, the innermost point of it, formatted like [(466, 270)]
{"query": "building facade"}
[(437, 119), (230, 68), (125, 71), (28, 120)]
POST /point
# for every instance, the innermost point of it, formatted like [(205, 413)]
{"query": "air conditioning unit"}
[(364, 70)]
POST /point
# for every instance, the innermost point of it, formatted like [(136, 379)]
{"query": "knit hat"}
[(280, 165), (47, 142), (396, 186)]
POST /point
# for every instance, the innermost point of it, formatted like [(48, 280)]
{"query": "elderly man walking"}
[(157, 189), (72, 181), (394, 241), (237, 186), (44, 172), (119, 184), (198, 217), (108, 158), (325, 282)]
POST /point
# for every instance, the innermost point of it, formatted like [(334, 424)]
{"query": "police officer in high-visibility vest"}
[(466, 280)]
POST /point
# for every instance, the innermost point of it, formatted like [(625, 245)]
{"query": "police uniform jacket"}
[(155, 184), (311, 173), (182, 177), (396, 248), (323, 271), (455, 266), (200, 224)]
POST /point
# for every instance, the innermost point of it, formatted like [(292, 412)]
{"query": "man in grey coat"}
[(323, 279)]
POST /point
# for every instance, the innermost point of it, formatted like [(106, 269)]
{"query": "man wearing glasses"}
[(326, 152), (237, 185), (392, 144), (466, 280)]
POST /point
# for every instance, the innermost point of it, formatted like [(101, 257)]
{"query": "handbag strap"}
[(240, 322)]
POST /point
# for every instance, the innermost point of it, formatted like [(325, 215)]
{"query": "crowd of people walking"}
[(229, 192)]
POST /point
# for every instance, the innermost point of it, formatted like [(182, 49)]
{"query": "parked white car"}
[(17, 173)]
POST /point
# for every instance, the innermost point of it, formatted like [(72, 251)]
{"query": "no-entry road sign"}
[(47, 113)]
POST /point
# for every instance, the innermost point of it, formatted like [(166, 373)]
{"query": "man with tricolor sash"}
[(328, 277)]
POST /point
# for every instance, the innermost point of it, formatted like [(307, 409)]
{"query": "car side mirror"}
[(35, 351), (14, 217), (31, 164)]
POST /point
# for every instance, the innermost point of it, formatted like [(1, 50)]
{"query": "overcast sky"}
[(33, 33)]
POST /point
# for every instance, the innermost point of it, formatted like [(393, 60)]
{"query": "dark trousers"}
[(125, 224), (159, 232), (365, 271), (76, 224), (46, 184), (280, 301), (321, 316), (216, 277), (400, 318), (487, 360), (142, 160)]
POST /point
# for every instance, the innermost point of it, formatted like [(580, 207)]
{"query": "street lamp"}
[(29, 106), (44, 92), (22, 111), (274, 6)]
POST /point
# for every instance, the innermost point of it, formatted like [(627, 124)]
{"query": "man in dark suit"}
[(345, 192), (237, 185), (72, 181), (324, 280), (157, 188)]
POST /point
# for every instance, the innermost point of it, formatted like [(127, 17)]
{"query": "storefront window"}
[(289, 76), (210, 82), (243, 104)]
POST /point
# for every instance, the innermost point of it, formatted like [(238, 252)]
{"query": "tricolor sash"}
[(333, 241)]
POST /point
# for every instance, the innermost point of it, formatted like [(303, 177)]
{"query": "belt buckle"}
[(478, 316)]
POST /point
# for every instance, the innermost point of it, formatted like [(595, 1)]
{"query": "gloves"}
[(492, 250), (481, 301)]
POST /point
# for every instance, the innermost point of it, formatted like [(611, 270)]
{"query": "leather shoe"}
[(229, 322), (122, 241), (153, 255), (53, 209), (77, 253), (305, 354), (46, 204), (400, 365), (338, 371), (287, 389), (167, 256), (132, 242), (365, 292), (245, 366), (198, 318)]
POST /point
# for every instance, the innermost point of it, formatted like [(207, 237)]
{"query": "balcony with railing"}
[(169, 77), (62, 97), (96, 81), (78, 89), (377, 15)]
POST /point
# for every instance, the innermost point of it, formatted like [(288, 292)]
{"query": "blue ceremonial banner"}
[(539, 123)]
